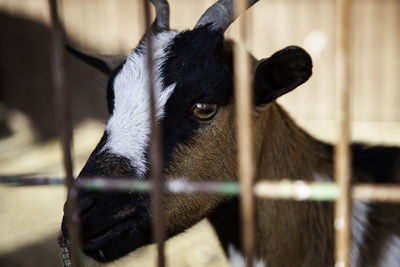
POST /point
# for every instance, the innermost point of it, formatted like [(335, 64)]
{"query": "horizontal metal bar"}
[(173, 186), (378, 193), (22, 181), (272, 189), (297, 190)]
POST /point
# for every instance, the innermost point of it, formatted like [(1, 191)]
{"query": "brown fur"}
[(197, 161), (287, 233), (281, 150), (288, 152)]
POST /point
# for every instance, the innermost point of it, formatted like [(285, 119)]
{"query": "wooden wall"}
[(105, 26)]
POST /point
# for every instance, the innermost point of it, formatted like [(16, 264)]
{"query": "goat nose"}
[(86, 202)]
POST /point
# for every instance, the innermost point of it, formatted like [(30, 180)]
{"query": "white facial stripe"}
[(391, 255), (129, 126), (359, 222), (359, 225)]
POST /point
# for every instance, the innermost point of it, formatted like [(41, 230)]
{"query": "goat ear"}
[(105, 63), (280, 74)]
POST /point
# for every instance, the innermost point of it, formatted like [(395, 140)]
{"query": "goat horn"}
[(162, 14), (220, 15)]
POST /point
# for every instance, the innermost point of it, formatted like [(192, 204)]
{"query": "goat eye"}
[(204, 111)]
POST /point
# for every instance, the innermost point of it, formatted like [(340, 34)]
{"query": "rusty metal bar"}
[(63, 114), (155, 150), (342, 167), (243, 107)]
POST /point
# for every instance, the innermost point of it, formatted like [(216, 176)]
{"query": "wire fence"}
[(340, 192)]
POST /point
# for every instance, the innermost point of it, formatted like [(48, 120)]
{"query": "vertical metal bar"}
[(64, 119), (243, 102), (342, 166), (155, 151)]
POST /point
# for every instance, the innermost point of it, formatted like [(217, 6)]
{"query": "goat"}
[(194, 105)]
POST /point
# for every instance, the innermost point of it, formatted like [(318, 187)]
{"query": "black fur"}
[(199, 56), (110, 89), (226, 222), (381, 163), (281, 73), (101, 223), (91, 60)]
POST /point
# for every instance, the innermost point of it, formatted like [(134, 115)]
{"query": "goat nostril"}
[(86, 203)]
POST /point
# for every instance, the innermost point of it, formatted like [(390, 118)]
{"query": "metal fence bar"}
[(243, 107), (63, 113), (155, 150), (24, 181), (342, 167), (272, 189), (296, 190), (378, 193), (173, 186)]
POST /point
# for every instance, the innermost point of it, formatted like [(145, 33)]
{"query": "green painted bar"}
[(142, 187), (97, 185), (25, 181), (286, 189), (230, 188), (324, 192)]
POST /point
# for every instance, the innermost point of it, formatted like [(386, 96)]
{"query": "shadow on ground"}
[(26, 83), (44, 253)]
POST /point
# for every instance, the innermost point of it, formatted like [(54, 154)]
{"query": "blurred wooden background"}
[(28, 126), (108, 27)]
